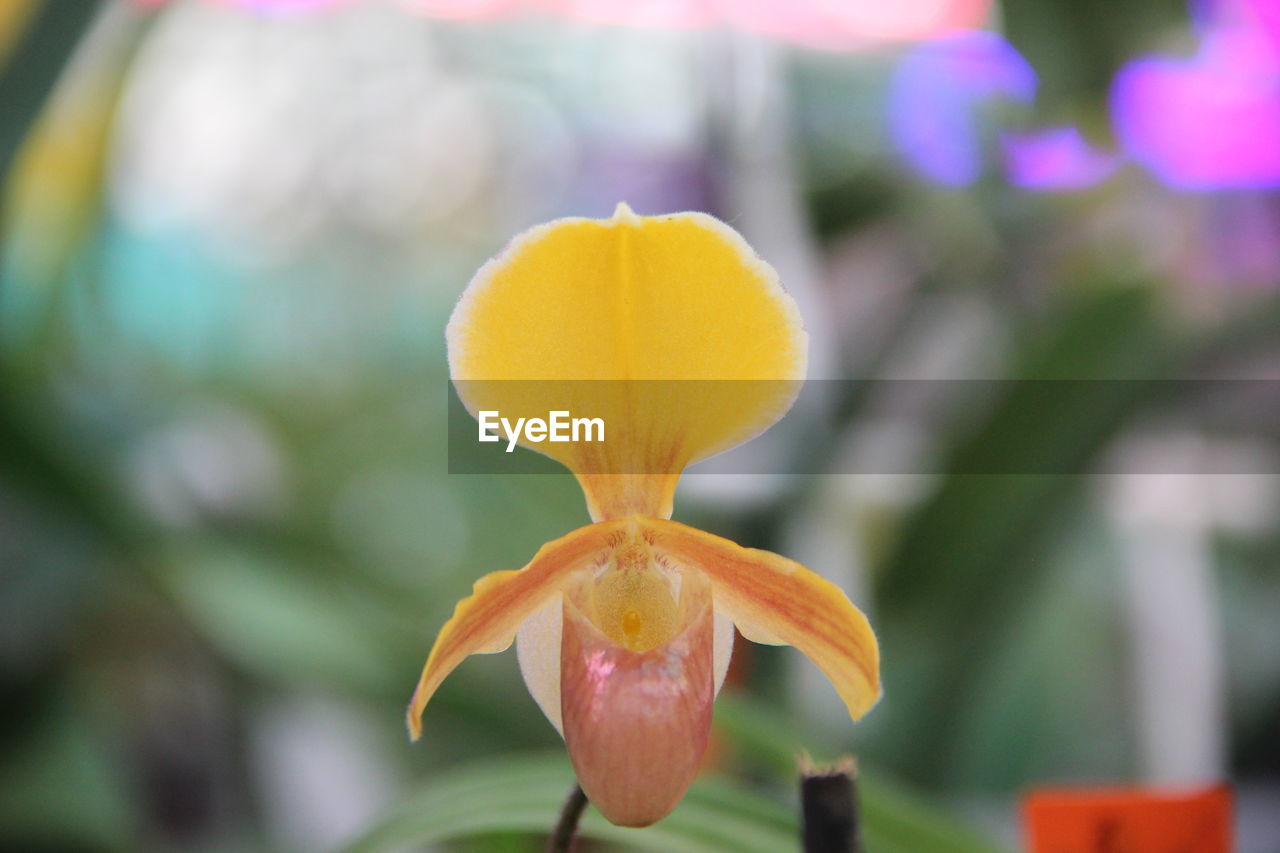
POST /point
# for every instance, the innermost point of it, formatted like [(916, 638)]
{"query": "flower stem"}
[(566, 832), (829, 804)]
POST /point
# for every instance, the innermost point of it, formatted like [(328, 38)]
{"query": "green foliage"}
[(976, 546), (525, 795), (720, 813)]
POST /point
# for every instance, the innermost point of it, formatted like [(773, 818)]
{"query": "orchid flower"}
[(624, 627)]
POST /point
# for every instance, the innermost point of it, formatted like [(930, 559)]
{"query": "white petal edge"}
[(538, 651), (721, 648)]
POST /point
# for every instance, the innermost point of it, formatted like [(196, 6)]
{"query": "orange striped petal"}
[(690, 343), (487, 620), (637, 722), (780, 601)]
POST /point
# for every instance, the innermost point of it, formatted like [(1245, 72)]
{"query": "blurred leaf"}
[(54, 478), (858, 200), (967, 559), (1102, 357), (1077, 47), (282, 625), (1050, 701), (53, 194), (525, 794), (50, 204), (61, 790)]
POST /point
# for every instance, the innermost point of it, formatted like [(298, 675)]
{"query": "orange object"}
[(1128, 820)]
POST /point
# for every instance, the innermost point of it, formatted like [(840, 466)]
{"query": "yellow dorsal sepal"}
[(668, 328)]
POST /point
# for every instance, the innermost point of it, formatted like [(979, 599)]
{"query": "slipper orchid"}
[(673, 330)]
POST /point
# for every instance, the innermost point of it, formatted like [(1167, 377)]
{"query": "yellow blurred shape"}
[(14, 17)]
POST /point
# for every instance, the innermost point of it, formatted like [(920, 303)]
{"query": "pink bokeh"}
[(1208, 122), (829, 24)]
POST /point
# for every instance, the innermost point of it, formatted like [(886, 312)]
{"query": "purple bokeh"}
[(1262, 16), (1055, 159), (1266, 15), (934, 94)]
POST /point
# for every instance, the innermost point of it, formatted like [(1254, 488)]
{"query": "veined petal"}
[(690, 343), (637, 722), (783, 602), (538, 649), (487, 620)]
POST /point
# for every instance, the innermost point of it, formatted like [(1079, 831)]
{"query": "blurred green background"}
[(233, 232)]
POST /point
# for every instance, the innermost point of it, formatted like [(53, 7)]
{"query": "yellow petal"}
[(488, 619), (668, 328), (637, 722), (784, 602)]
